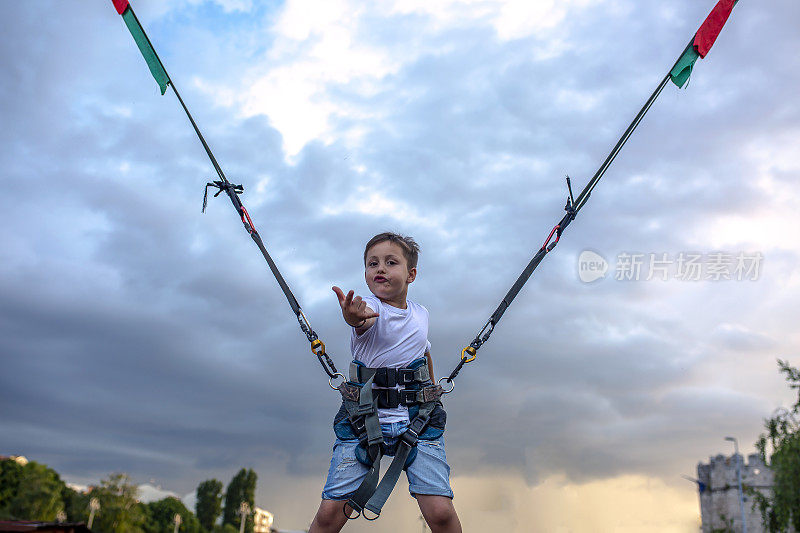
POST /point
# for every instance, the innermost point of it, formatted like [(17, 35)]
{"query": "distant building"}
[(719, 492), (19, 459), (262, 520)]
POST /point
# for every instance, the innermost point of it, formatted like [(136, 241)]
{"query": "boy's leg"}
[(344, 476), (429, 483), (439, 513), (330, 518)]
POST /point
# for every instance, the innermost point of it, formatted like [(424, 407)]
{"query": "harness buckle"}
[(409, 397), (406, 376), (366, 409), (418, 424), (410, 437), (359, 424)]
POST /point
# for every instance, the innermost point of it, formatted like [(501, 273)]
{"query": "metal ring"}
[(344, 510), (330, 381), (364, 514), (453, 383)]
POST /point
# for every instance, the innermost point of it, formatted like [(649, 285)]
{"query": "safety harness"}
[(369, 389)]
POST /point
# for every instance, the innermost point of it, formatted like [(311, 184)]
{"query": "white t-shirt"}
[(398, 337)]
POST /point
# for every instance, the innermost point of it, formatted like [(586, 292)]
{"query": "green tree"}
[(225, 528), (76, 505), (119, 510), (37, 495), (781, 510), (209, 502), (10, 476), (242, 488), (161, 517)]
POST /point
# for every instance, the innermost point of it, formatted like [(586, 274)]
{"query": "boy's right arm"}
[(355, 312)]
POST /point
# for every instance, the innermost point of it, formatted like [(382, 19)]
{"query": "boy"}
[(388, 330)]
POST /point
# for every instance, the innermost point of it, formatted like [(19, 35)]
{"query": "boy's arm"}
[(367, 323), (429, 359), (355, 312)]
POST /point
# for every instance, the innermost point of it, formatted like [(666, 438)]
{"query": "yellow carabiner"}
[(317, 347), (473, 353)]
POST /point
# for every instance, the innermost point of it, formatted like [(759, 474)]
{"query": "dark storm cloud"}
[(138, 335)]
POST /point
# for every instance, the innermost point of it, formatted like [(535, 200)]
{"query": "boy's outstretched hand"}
[(355, 310)]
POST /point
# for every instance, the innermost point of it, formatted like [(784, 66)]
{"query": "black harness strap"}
[(390, 377), (364, 417), (407, 442)]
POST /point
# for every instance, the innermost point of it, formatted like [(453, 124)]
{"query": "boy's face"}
[(387, 272)]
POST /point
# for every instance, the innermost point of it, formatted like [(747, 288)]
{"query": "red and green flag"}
[(156, 68), (702, 42)]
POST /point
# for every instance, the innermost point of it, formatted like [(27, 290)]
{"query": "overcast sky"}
[(138, 335)]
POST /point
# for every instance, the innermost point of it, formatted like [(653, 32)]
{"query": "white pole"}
[(244, 511), (739, 479), (94, 506)]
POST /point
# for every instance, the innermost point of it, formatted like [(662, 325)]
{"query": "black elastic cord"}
[(587, 191)]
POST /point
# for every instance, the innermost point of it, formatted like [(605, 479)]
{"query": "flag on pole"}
[(702, 42), (156, 68)]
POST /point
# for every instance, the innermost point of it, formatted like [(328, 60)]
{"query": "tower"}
[(719, 494)]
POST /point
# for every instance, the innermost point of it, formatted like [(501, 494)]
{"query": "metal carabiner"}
[(552, 232), (317, 347), (473, 354)]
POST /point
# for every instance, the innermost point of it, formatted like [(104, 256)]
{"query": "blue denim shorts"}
[(429, 474)]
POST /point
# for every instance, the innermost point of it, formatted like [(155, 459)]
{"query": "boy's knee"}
[(438, 511), (330, 516), (442, 517)]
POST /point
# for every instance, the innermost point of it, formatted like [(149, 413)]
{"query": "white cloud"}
[(316, 48), (774, 163), (320, 49), (511, 19), (152, 493), (368, 201)]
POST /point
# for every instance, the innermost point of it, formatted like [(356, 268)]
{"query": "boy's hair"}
[(407, 244)]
